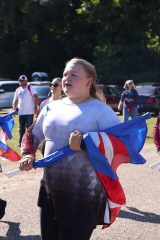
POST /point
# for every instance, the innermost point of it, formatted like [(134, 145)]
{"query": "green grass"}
[(150, 124), (14, 141)]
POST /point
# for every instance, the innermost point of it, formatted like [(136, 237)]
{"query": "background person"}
[(26, 100), (129, 101), (72, 199), (55, 92)]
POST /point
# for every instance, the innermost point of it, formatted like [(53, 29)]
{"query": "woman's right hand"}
[(26, 162)]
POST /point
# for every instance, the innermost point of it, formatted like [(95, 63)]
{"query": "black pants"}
[(3, 204), (25, 121), (51, 229)]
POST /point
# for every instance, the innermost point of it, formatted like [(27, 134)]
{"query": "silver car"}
[(7, 90)]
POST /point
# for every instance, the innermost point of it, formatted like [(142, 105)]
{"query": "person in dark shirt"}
[(129, 101)]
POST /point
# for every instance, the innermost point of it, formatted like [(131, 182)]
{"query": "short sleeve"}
[(107, 118), (37, 131), (42, 104), (122, 96), (136, 94)]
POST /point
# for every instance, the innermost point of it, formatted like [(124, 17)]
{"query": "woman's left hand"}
[(75, 140)]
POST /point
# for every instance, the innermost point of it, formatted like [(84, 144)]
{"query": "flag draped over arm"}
[(106, 150), (6, 126)]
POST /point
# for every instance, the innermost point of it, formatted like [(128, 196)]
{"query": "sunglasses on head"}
[(54, 84)]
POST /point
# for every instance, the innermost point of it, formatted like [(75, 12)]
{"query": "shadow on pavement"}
[(140, 216), (14, 233)]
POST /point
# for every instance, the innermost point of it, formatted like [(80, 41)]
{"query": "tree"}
[(121, 37)]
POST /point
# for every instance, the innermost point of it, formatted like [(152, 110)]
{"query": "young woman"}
[(72, 194), (129, 101)]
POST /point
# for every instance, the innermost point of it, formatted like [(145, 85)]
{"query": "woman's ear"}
[(89, 82)]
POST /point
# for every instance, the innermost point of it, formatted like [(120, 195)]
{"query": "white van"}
[(7, 90)]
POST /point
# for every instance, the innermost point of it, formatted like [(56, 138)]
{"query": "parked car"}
[(119, 88), (42, 89), (149, 99), (148, 84), (7, 90), (112, 94), (7, 79), (39, 76)]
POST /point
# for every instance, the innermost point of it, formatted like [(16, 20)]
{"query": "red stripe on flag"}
[(113, 189), (10, 154), (120, 152), (114, 213), (101, 145)]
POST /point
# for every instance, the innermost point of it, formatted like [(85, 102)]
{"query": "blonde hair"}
[(127, 83), (99, 94), (90, 70)]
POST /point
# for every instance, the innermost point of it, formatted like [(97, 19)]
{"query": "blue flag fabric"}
[(6, 126), (7, 123), (132, 133), (106, 150)]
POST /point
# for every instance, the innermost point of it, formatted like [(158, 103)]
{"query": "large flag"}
[(6, 126), (106, 151)]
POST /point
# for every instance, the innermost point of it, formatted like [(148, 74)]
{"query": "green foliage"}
[(121, 37)]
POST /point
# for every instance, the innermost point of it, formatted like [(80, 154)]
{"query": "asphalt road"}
[(139, 219)]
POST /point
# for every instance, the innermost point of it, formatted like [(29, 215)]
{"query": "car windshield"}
[(145, 91), (148, 84), (42, 90)]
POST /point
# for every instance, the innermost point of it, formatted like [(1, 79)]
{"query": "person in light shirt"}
[(26, 100), (72, 199)]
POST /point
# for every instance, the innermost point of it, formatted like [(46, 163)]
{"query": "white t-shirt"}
[(45, 102), (61, 119), (26, 102), (79, 197)]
